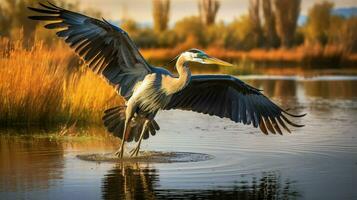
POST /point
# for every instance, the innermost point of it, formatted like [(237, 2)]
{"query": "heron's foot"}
[(119, 153), (134, 152)]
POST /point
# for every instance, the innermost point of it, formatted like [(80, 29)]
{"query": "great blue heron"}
[(109, 52)]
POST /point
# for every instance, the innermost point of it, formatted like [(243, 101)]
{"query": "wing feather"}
[(229, 97), (106, 49)]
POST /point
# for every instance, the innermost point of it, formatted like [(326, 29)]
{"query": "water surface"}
[(318, 161)]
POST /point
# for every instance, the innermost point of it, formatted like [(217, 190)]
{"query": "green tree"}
[(318, 23), (161, 12), (143, 37), (216, 34), (286, 15), (240, 34), (190, 27)]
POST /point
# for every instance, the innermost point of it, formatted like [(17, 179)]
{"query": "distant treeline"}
[(268, 24)]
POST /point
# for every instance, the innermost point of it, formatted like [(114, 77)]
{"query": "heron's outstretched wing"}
[(105, 48), (227, 96)]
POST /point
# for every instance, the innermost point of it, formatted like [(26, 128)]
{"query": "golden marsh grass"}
[(38, 86)]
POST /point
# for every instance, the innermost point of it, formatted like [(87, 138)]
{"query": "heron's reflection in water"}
[(130, 181), (138, 181)]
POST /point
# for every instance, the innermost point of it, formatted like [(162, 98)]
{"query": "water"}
[(318, 161)]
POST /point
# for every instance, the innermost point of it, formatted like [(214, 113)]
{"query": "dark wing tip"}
[(293, 115), (105, 20), (48, 6), (34, 17), (291, 123), (52, 4), (45, 18), (53, 13), (44, 11)]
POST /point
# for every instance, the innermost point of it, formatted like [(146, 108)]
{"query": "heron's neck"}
[(184, 75)]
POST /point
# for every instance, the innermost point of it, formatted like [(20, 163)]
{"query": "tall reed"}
[(39, 86)]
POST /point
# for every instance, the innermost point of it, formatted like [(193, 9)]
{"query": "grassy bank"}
[(45, 86)]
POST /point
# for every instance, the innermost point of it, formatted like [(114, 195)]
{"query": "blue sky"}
[(140, 10)]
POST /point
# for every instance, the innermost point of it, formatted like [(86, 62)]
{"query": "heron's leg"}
[(129, 115), (135, 151), (120, 152)]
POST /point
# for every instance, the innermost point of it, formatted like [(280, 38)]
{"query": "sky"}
[(140, 10)]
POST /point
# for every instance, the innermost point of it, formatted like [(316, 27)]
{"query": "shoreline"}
[(303, 56)]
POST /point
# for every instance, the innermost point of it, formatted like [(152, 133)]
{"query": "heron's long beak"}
[(211, 60)]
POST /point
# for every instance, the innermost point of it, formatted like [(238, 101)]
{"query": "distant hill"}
[(344, 12)]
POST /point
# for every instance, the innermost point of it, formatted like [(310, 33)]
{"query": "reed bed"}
[(40, 86)]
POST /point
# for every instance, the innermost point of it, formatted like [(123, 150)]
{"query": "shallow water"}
[(318, 161)]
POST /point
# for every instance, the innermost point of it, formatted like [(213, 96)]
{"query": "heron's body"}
[(155, 91), (109, 52), (149, 96)]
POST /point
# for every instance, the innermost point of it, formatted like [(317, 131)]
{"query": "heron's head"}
[(196, 55)]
